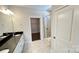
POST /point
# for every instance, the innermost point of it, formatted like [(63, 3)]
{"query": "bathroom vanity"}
[(10, 38), (12, 41)]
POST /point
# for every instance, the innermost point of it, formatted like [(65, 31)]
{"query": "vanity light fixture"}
[(7, 11)]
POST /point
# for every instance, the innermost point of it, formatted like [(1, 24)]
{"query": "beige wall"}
[(21, 19)]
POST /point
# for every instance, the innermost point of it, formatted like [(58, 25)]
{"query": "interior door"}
[(63, 20), (53, 29), (35, 28), (75, 30)]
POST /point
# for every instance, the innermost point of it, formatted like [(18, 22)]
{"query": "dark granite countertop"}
[(10, 41), (4, 40)]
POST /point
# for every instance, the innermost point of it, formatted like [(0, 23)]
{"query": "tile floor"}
[(39, 46)]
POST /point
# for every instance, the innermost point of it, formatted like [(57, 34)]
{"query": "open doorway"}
[(35, 28)]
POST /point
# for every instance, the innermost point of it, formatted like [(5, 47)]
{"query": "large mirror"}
[(5, 23), (6, 26)]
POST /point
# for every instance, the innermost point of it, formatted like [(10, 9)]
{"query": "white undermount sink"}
[(3, 36), (18, 35), (4, 51)]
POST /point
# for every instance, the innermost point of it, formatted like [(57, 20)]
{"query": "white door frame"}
[(41, 27)]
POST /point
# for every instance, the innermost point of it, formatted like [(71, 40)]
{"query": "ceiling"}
[(37, 7)]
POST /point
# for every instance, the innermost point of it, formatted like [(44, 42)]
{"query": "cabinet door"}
[(75, 30), (19, 46), (63, 29)]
